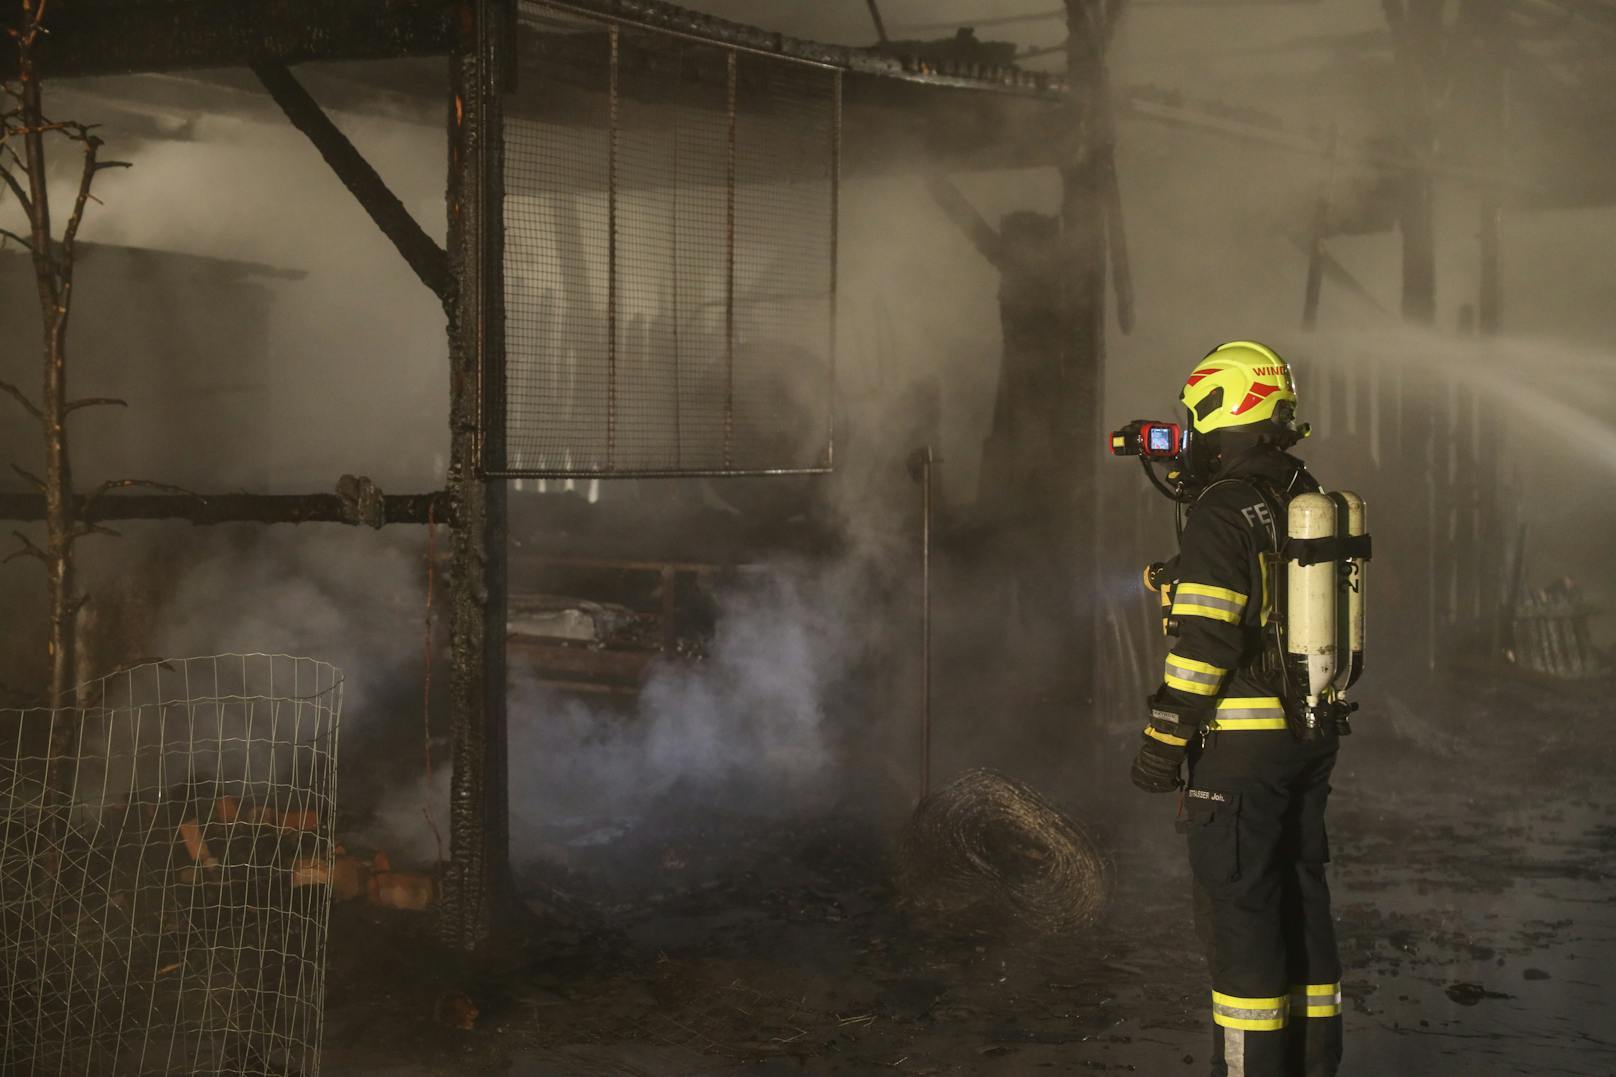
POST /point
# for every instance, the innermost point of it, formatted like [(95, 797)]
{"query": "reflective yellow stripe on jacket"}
[(1204, 600), (1249, 712), (1166, 738), (1194, 676)]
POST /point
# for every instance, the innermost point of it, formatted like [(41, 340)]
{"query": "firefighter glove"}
[(1163, 744), (1155, 768)]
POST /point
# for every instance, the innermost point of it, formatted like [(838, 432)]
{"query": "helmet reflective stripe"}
[(1237, 384), (1259, 391)]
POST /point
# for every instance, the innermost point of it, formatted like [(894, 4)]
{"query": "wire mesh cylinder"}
[(165, 870)]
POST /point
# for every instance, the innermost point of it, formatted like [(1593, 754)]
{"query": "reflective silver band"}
[(1188, 674)]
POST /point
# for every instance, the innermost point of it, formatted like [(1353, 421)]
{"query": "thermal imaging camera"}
[(1150, 439)]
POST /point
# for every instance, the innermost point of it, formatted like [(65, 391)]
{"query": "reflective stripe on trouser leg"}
[(1241, 1052), (1250, 1014), (1316, 1000)]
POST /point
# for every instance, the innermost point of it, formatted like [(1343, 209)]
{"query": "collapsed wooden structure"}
[(108, 37)]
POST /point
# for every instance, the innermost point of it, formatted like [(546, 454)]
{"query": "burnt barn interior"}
[(678, 437)]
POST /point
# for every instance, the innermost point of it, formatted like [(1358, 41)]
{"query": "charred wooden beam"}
[(237, 508), (880, 24), (885, 66), (1086, 188), (965, 217), (1417, 35), (1315, 265), (116, 37), (424, 256), (477, 885), (1493, 87)]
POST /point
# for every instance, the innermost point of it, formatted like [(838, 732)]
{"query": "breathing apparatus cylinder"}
[(1351, 520), (1311, 619)]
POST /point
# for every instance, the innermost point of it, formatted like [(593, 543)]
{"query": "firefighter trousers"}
[(1254, 817)]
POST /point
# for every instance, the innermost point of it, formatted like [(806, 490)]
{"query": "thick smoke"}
[(350, 375), (751, 722)]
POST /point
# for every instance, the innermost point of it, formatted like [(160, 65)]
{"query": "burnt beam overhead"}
[(239, 508), (111, 37), (893, 63), (424, 256)]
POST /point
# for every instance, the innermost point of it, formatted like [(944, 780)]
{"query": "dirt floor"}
[(1473, 843)]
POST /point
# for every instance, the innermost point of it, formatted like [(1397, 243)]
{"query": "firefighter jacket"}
[(1229, 557)]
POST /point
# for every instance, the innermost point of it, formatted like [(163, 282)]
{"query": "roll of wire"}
[(985, 848)]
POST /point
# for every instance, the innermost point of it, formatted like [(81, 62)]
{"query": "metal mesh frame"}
[(166, 854), (669, 255)]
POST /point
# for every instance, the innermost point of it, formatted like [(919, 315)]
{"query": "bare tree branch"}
[(94, 402), (124, 484), (35, 26), (16, 187), (17, 394), (6, 233), (28, 549), (82, 528), (70, 235), (33, 480)]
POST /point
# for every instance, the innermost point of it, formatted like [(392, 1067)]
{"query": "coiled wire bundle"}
[(985, 847)]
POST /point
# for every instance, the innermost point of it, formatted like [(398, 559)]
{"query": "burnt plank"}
[(113, 37)]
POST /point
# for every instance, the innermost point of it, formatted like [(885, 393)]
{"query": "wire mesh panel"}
[(669, 255), (165, 868)]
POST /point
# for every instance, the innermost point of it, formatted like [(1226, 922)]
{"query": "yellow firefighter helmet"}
[(1238, 384)]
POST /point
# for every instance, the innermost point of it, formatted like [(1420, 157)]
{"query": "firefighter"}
[(1253, 806)]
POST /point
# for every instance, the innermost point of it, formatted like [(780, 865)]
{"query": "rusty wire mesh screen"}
[(669, 255), (165, 864)]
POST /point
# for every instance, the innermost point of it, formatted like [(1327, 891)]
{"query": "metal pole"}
[(920, 467), (729, 272), (835, 261), (611, 251)]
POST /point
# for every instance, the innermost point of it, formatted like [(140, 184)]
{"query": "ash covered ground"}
[(1473, 850)]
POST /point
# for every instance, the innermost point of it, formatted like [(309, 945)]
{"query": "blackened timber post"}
[(1490, 22), (477, 872), (1417, 36), (1488, 19), (1084, 188)]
